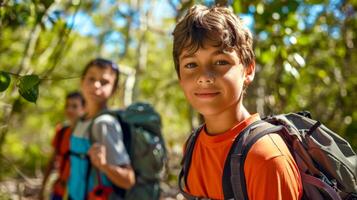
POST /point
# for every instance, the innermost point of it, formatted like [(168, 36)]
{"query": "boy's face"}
[(97, 85), (74, 109), (212, 79)]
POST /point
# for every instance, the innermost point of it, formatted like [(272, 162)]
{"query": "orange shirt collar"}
[(229, 135)]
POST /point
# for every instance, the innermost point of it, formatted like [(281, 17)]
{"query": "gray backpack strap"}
[(237, 155)]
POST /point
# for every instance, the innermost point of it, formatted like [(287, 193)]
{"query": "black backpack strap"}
[(186, 162), (126, 131), (234, 185), (88, 173), (226, 178)]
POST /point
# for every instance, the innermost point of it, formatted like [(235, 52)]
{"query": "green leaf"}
[(28, 87), (4, 80)]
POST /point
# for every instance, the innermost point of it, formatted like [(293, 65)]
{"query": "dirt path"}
[(20, 189)]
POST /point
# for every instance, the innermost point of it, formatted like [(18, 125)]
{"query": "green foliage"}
[(236, 7), (28, 87), (305, 68), (4, 81)]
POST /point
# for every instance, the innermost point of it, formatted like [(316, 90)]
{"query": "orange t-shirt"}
[(270, 170), (61, 160)]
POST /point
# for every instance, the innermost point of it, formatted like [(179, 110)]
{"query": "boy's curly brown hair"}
[(218, 26)]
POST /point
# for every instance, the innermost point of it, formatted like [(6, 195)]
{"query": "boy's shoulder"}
[(270, 157), (268, 148), (105, 123), (263, 142), (105, 118)]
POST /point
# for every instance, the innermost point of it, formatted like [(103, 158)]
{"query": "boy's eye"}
[(104, 82), (221, 62), (190, 65), (91, 79)]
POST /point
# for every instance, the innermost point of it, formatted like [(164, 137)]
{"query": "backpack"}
[(144, 142), (59, 186), (327, 162)]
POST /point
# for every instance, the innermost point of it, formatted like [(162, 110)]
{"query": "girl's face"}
[(98, 85)]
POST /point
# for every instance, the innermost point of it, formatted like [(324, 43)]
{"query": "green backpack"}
[(143, 139), (327, 162)]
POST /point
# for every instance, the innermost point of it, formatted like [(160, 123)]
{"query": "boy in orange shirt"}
[(214, 60)]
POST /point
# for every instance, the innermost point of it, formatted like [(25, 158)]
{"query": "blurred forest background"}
[(305, 55)]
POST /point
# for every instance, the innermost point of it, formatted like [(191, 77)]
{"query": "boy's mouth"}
[(206, 94)]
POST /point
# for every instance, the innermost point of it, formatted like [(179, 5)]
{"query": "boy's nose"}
[(97, 84), (206, 78)]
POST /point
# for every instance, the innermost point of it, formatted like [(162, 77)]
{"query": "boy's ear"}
[(249, 73)]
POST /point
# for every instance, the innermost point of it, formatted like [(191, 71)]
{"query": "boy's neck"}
[(72, 123), (218, 124), (92, 110)]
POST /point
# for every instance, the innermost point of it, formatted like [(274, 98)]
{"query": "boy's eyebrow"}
[(190, 55), (187, 55), (219, 51)]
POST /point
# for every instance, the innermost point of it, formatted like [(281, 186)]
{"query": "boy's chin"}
[(206, 112), (215, 110), (96, 100)]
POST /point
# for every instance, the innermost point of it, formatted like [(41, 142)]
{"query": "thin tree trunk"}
[(142, 51), (64, 35), (29, 49)]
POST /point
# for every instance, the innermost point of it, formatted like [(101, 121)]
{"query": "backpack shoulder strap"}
[(125, 126), (113, 113), (59, 141), (186, 162), (233, 180)]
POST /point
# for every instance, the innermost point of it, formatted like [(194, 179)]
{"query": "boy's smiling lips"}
[(206, 93)]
